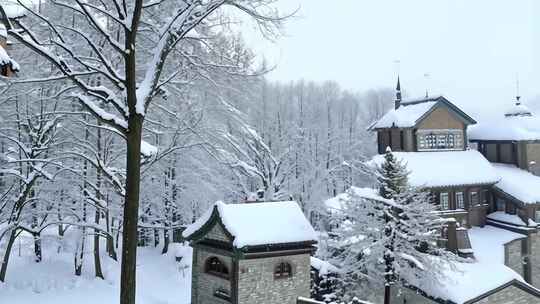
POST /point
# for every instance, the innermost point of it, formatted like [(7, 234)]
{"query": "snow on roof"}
[(6, 60), (406, 116), (263, 223), (520, 127), (470, 280), (337, 203), (488, 243), (502, 216), (518, 183), (518, 109), (448, 168)]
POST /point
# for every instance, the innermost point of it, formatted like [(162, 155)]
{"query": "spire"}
[(397, 102), (518, 102)]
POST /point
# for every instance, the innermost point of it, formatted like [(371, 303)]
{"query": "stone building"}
[(251, 253), (485, 175)]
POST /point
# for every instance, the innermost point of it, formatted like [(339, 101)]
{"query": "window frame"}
[(444, 139), (447, 196), (221, 270), (460, 200), (473, 202), (283, 270)]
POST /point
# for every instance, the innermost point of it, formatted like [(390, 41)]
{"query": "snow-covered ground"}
[(160, 279)]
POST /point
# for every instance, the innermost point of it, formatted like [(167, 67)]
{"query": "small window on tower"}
[(283, 270)]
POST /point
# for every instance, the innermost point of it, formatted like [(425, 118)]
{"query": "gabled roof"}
[(256, 224), (445, 169), (413, 111)]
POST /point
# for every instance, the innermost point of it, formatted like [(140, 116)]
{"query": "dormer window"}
[(283, 270), (215, 266)]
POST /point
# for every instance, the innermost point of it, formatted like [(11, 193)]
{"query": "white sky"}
[(472, 49)]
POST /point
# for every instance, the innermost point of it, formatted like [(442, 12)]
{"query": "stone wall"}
[(535, 259), (533, 155), (513, 258), (256, 282), (510, 295), (204, 285)]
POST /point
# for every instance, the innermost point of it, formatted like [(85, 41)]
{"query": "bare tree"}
[(132, 47)]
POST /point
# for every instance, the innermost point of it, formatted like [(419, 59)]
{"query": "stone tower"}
[(251, 253)]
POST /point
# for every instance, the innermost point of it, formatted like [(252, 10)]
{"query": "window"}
[(283, 270), (444, 201), (474, 199), (216, 267), (460, 202), (501, 206), (485, 197), (440, 139)]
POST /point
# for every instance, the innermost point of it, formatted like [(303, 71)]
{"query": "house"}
[(251, 253), (482, 174)]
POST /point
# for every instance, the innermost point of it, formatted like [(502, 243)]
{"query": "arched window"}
[(283, 270), (216, 267)]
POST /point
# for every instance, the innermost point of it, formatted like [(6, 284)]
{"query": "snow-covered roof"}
[(406, 116), (337, 203), (254, 224), (501, 216), (518, 183), (444, 169), (507, 127), (468, 281), (6, 60), (412, 111)]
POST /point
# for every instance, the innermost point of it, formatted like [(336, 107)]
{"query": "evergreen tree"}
[(390, 239)]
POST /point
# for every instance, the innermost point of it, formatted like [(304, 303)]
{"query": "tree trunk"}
[(7, 253), (37, 247), (165, 240), (79, 256), (97, 260), (131, 210), (387, 294), (110, 240)]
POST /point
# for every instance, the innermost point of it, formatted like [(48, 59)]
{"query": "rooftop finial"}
[(397, 102), (518, 102), (426, 76)]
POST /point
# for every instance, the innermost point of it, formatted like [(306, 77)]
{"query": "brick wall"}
[(256, 283), (533, 154), (204, 285), (535, 259)]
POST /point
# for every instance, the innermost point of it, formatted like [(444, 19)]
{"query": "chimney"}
[(397, 102)]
